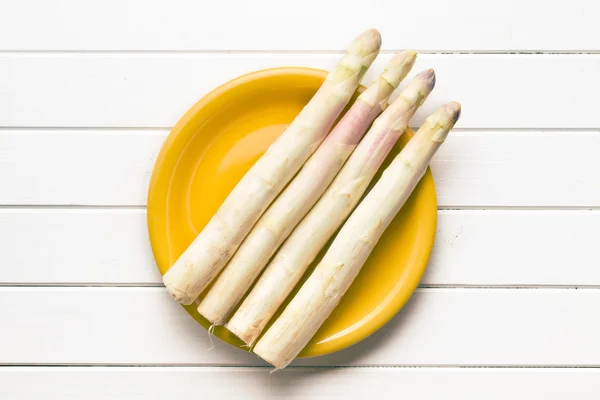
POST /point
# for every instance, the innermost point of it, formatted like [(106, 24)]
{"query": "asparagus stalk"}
[(220, 238), (327, 284), (301, 194), (313, 232)]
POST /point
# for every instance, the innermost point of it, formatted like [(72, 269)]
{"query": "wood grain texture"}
[(472, 169), (509, 25), (74, 383), (439, 327), (473, 247), (154, 90)]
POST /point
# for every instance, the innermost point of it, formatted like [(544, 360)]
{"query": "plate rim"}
[(399, 299)]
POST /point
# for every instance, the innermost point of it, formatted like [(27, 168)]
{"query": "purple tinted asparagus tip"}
[(428, 76), (455, 109)]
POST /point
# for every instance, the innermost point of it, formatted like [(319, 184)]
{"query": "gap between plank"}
[(160, 285), (70, 207), (112, 208), (269, 368), (518, 208), (298, 51), (423, 288), (165, 129)]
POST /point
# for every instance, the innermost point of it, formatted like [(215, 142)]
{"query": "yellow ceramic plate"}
[(217, 141)]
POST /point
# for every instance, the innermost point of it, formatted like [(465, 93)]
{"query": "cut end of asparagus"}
[(248, 336), (179, 295), (443, 120)]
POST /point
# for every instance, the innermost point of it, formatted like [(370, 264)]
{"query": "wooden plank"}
[(470, 327), (118, 383), (517, 248), (517, 168), (154, 90), (271, 25), (473, 247), (472, 169), (77, 246), (75, 167)]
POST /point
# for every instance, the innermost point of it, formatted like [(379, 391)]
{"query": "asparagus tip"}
[(397, 68), (428, 78), (454, 109), (444, 119), (405, 57), (369, 41)]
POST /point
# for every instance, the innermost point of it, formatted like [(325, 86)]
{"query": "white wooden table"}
[(88, 92)]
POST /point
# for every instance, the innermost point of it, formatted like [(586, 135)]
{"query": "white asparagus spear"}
[(313, 232), (220, 238), (345, 257), (301, 194)]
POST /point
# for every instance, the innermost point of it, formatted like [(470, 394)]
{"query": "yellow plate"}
[(219, 139)]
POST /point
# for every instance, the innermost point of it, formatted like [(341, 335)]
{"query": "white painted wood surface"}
[(468, 327), (508, 307), (479, 168), (311, 25), (154, 90), (155, 383), (536, 247)]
